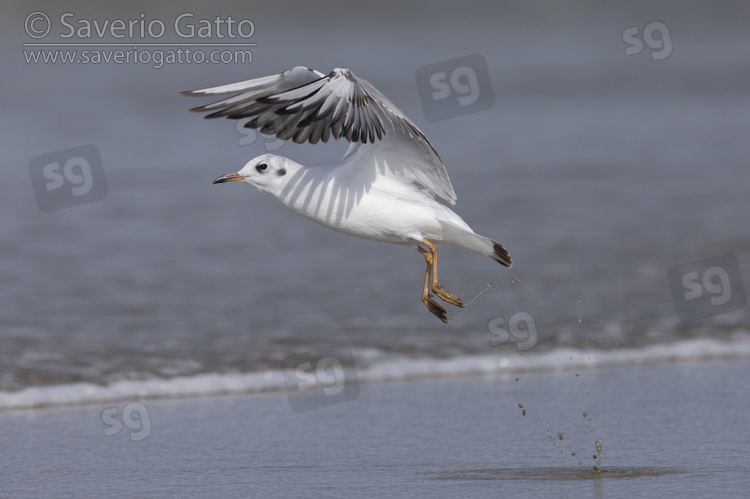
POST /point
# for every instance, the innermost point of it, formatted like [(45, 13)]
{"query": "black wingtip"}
[(501, 255)]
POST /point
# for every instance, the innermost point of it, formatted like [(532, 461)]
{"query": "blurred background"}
[(611, 146)]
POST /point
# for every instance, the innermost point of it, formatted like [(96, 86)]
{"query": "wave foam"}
[(399, 369)]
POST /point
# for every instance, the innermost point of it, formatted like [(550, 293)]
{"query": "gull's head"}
[(268, 173)]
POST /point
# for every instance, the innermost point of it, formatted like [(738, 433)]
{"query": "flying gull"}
[(383, 189)]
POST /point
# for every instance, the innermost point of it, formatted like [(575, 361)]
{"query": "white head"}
[(268, 173)]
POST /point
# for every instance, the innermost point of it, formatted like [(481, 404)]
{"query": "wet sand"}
[(668, 429)]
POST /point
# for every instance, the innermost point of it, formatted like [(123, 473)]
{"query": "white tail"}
[(460, 236)]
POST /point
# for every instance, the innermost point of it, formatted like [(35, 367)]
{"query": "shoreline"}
[(504, 364), (661, 427)]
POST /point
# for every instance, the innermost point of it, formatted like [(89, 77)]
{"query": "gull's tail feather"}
[(460, 236), (500, 254)]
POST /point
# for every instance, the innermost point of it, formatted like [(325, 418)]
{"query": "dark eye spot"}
[(261, 167), (281, 172)]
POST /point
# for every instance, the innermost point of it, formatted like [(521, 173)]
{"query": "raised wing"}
[(305, 105)]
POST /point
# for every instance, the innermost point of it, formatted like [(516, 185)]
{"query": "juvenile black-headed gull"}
[(383, 188)]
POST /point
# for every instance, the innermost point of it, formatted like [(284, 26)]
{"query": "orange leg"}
[(437, 288), (431, 283), (431, 304)]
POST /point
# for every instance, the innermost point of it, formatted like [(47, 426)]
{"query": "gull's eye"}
[(262, 167)]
